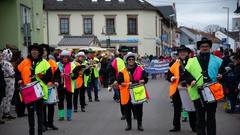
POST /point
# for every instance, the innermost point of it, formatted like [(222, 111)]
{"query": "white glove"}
[(173, 78), (228, 69)]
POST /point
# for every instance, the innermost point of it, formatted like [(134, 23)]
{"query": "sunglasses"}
[(131, 59)]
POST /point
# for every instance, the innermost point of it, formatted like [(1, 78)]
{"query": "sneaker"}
[(69, 119), (174, 130), (97, 100), (123, 118), (83, 110), (8, 117), (53, 127)]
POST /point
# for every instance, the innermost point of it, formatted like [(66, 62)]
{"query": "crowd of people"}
[(67, 76)]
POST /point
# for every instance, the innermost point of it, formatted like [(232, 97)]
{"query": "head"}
[(204, 45), (80, 56), (183, 54), (35, 51), (131, 61), (46, 50), (123, 50), (65, 56)]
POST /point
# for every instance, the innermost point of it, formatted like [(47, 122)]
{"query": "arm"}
[(120, 79), (76, 71), (144, 76), (46, 78)]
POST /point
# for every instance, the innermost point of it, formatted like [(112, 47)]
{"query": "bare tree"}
[(212, 28)]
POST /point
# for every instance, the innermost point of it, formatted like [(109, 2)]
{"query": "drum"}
[(187, 103), (207, 94), (31, 92), (138, 93), (52, 95)]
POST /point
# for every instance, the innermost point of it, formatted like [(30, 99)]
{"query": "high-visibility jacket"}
[(79, 80), (194, 68), (118, 64), (41, 68), (174, 69)]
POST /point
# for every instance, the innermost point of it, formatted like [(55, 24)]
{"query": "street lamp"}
[(227, 23), (171, 31), (108, 41)]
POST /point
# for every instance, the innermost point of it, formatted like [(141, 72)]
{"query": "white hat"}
[(130, 54), (66, 53), (80, 54)]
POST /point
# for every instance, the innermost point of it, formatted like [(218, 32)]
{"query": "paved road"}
[(103, 118)]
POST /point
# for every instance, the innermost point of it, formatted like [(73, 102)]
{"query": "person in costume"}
[(176, 76), (68, 74), (9, 77), (35, 68), (94, 75), (132, 74), (81, 81), (202, 69), (49, 115)]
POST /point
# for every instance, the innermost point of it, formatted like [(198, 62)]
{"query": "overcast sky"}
[(199, 13)]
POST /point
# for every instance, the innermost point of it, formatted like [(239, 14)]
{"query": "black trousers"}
[(205, 126), (81, 91), (19, 106), (177, 105), (62, 93), (48, 114), (38, 107), (137, 109)]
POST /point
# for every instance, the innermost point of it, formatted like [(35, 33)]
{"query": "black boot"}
[(129, 125), (174, 130), (140, 128)]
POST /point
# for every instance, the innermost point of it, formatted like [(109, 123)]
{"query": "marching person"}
[(9, 77), (81, 81), (176, 75), (34, 68), (69, 73), (132, 74), (203, 69), (94, 75), (116, 66), (49, 116)]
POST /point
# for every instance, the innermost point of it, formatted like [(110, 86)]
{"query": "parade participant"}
[(2, 90), (80, 85), (69, 72), (9, 77), (49, 116), (133, 74), (94, 75), (117, 65), (176, 75), (203, 69), (34, 68)]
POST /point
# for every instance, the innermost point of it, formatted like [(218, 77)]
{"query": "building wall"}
[(146, 27)]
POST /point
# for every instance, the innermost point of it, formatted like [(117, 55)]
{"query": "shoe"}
[(75, 110), (53, 127), (83, 110), (2, 122), (117, 101), (140, 128), (8, 117), (69, 119), (61, 119), (97, 100), (21, 115), (90, 100), (174, 130), (123, 118), (129, 126), (44, 129)]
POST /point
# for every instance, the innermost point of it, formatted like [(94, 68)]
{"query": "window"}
[(132, 25), (87, 25), (64, 24), (110, 25)]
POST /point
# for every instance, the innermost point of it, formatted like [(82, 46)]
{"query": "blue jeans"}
[(93, 85)]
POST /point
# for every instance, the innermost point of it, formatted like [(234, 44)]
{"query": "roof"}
[(203, 34), (167, 11), (99, 5), (78, 40)]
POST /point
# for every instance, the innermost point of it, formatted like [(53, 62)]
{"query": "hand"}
[(20, 82), (142, 81), (173, 78), (125, 84), (193, 83), (219, 76)]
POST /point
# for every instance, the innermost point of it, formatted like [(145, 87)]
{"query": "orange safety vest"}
[(53, 65), (124, 92), (25, 69), (174, 69), (79, 80)]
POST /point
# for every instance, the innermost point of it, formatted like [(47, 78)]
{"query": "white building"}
[(134, 23)]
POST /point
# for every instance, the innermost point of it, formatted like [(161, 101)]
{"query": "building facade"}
[(133, 23), (21, 23)]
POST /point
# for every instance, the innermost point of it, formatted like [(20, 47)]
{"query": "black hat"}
[(35, 46), (183, 47), (46, 46), (204, 40), (123, 49)]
